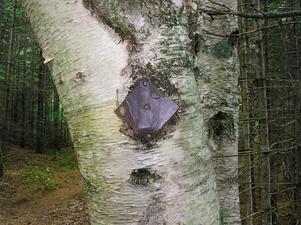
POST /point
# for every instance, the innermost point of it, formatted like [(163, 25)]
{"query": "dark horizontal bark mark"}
[(221, 124), (144, 177)]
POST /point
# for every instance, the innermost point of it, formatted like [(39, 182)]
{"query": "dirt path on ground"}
[(64, 205)]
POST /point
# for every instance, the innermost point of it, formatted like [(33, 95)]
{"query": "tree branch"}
[(260, 15)]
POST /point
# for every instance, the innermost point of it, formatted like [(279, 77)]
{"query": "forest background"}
[(268, 44)]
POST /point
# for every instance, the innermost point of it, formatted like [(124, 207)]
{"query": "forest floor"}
[(41, 189)]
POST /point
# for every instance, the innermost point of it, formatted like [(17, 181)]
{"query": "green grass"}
[(40, 173), (39, 179)]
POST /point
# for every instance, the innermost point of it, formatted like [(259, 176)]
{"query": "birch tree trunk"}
[(96, 57), (217, 81)]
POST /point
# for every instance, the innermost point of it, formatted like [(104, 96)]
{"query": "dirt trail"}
[(65, 205)]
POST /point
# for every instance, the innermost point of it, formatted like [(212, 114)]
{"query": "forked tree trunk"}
[(169, 180)]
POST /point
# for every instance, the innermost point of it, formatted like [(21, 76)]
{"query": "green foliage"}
[(42, 179), (39, 173), (69, 160)]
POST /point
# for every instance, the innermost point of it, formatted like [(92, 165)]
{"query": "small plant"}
[(39, 179), (33, 175)]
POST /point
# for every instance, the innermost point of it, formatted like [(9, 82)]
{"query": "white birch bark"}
[(218, 80), (92, 69)]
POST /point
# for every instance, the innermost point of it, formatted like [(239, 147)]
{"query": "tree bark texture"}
[(217, 67), (96, 57)]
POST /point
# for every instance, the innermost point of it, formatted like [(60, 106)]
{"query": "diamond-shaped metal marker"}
[(146, 110)]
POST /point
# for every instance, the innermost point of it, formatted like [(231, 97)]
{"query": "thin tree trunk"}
[(40, 123), (32, 104), (250, 80), (265, 176), (23, 108), (47, 107), (246, 111), (62, 127), (169, 180), (298, 123), (56, 117), (273, 158), (14, 127)]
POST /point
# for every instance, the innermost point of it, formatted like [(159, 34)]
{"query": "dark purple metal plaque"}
[(146, 110)]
